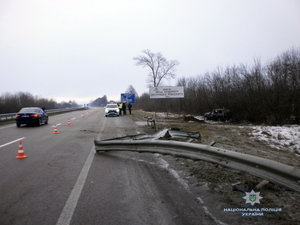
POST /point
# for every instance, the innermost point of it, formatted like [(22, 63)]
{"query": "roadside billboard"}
[(167, 92)]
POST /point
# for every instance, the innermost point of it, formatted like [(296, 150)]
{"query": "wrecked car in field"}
[(218, 115)]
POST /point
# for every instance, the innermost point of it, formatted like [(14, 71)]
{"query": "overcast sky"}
[(83, 49)]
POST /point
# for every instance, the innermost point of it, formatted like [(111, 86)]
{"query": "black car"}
[(218, 115), (31, 115)]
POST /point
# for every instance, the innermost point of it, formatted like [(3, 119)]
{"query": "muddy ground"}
[(214, 183)]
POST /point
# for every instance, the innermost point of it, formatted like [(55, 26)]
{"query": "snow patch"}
[(278, 137)]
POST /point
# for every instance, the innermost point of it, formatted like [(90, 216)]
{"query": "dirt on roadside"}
[(213, 183)]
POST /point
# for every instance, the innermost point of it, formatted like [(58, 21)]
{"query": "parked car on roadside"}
[(31, 115), (112, 110), (218, 115)]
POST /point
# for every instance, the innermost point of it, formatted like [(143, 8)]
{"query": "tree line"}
[(11, 103), (101, 101), (268, 94)]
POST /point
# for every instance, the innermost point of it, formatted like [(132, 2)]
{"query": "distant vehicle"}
[(218, 115), (31, 115), (112, 110)]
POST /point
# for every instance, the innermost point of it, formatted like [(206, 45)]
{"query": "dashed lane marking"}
[(56, 124), (12, 142), (7, 126)]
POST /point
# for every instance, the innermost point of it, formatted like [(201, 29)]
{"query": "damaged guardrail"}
[(177, 133), (275, 172)]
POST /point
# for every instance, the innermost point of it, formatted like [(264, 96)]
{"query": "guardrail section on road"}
[(279, 173)]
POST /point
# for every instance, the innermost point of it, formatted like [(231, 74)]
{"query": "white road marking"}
[(56, 124), (7, 126), (12, 142), (68, 211), (165, 165), (207, 212), (184, 183)]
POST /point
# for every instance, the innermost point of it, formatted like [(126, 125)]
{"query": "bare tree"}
[(160, 67), (131, 90), (267, 94)]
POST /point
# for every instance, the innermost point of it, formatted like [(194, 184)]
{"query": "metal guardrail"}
[(279, 173), (151, 121), (10, 116), (177, 133)]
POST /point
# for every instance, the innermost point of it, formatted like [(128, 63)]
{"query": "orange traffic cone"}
[(69, 123), (21, 154), (88, 113), (55, 130), (82, 115)]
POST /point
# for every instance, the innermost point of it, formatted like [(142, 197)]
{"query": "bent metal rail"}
[(275, 172)]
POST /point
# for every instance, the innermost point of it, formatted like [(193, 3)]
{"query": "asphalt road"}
[(63, 180)]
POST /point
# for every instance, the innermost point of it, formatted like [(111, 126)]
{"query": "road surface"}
[(63, 180)]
